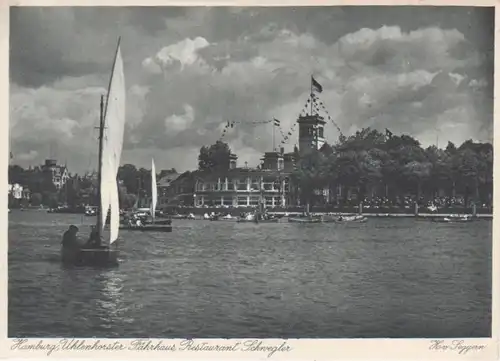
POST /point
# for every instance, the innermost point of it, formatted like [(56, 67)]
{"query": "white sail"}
[(154, 189), (114, 123)]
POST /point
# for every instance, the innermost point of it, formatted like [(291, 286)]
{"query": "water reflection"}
[(386, 278)]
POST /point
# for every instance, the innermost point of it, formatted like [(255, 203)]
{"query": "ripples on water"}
[(384, 278)]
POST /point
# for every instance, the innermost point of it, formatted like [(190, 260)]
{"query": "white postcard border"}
[(303, 349)]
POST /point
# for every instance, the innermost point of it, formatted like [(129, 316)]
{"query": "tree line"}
[(371, 164), (79, 190)]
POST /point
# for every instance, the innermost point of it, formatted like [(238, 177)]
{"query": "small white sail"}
[(154, 189), (114, 122)]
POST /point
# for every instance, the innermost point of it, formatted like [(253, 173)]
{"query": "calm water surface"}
[(384, 278)]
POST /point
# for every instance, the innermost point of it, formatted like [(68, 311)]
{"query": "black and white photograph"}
[(310, 172)]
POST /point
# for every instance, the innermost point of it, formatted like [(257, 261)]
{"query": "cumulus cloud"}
[(178, 123), (190, 73)]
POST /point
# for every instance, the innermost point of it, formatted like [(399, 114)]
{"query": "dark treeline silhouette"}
[(388, 170)]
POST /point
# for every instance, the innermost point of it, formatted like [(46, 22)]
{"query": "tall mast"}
[(99, 172), (139, 191), (274, 126)]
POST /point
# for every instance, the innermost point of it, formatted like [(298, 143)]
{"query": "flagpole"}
[(274, 125), (311, 95)]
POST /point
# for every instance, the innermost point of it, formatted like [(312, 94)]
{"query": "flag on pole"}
[(277, 122), (388, 133), (316, 86)]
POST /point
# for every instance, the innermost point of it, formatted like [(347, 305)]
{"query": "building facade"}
[(58, 174), (242, 187), (311, 132), (166, 187), (247, 187)]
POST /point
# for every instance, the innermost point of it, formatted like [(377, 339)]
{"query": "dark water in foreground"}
[(384, 278)]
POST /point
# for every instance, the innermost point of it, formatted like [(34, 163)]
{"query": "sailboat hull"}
[(272, 220), (93, 257), (163, 222), (452, 220), (305, 220)]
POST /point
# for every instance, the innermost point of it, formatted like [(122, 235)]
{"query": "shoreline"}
[(370, 215), (386, 215)]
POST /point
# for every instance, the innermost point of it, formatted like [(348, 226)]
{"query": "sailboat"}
[(136, 209), (308, 218), (111, 129), (156, 226)]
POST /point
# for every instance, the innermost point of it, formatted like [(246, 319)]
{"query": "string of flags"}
[(319, 104), (316, 105), (231, 124), (287, 136)]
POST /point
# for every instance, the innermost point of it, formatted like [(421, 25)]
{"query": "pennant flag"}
[(388, 133), (277, 122), (316, 86)]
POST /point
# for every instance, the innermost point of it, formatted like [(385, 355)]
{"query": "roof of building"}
[(166, 180)]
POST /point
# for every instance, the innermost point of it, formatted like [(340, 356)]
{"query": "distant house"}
[(58, 174), (18, 195), (177, 189), (164, 184)]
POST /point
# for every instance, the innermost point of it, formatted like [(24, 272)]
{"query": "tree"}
[(327, 149), (49, 199), (440, 176), (72, 192), (16, 174), (311, 174), (36, 199), (215, 157), (129, 175), (359, 160), (416, 173), (144, 176)]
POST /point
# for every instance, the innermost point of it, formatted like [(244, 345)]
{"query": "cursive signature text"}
[(459, 346)]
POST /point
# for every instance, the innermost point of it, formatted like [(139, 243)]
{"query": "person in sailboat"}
[(70, 238), (137, 221), (94, 239)]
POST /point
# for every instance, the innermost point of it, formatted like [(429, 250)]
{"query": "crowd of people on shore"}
[(408, 202), (397, 204)]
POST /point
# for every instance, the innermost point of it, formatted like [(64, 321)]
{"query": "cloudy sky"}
[(425, 71)]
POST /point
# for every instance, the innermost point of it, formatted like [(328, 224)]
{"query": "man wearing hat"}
[(70, 240)]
